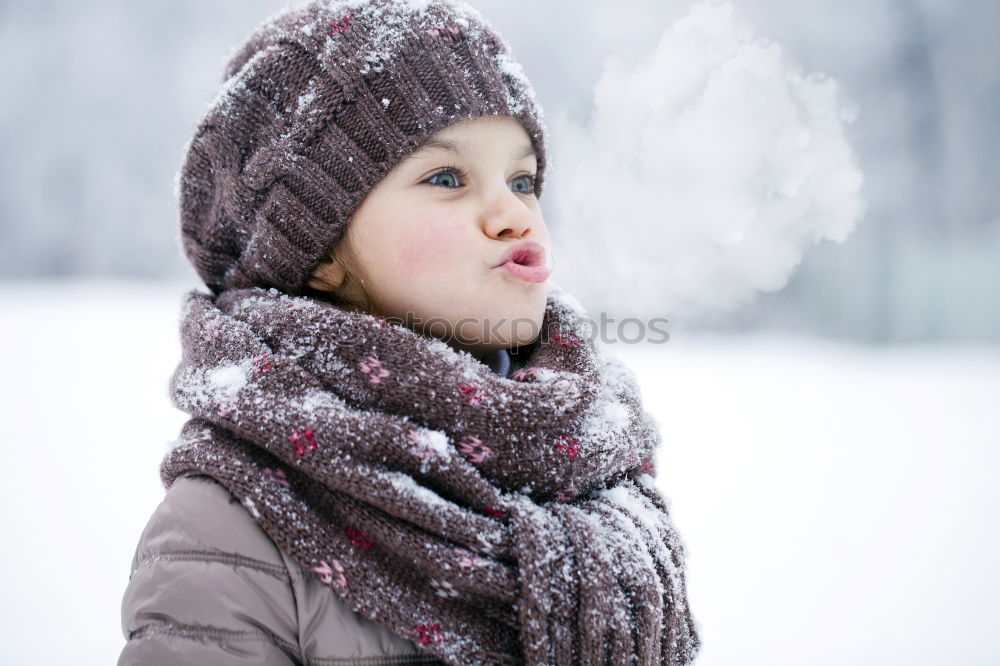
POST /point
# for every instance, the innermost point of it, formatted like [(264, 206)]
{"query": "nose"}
[(507, 216)]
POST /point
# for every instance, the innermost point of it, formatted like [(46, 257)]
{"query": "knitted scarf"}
[(490, 520)]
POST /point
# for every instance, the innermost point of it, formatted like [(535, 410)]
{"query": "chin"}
[(527, 327), (503, 327)]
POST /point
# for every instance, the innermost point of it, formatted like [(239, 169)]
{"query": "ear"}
[(328, 276)]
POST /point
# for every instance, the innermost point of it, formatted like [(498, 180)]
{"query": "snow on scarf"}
[(490, 520)]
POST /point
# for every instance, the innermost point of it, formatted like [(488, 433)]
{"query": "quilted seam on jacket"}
[(208, 586)]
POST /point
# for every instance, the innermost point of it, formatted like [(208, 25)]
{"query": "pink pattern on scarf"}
[(278, 476), (467, 558), (327, 571), (569, 445), (474, 448), (422, 450), (523, 374), (357, 537), (261, 363), (449, 34), (372, 367), (296, 438), (473, 393), (430, 631), (566, 339), (340, 24)]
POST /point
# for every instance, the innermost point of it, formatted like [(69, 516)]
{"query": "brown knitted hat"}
[(322, 102)]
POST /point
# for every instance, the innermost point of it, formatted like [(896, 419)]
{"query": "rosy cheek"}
[(431, 246)]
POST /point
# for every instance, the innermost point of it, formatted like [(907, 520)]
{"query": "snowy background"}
[(806, 190)]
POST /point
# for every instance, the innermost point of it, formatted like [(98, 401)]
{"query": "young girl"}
[(403, 447)]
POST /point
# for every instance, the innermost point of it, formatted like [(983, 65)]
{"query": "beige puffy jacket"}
[(209, 587)]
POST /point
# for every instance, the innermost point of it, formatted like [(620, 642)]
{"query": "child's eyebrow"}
[(440, 144)]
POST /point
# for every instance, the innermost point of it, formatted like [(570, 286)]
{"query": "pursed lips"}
[(525, 260)]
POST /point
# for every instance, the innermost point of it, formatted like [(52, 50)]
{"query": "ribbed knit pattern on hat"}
[(320, 103)]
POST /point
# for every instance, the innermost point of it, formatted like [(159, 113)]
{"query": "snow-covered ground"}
[(840, 505)]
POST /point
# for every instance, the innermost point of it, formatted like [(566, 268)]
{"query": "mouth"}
[(526, 261)]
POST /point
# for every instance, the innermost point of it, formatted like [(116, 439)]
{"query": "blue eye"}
[(529, 179), (452, 174)]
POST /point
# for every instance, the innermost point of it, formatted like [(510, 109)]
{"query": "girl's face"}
[(428, 240)]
